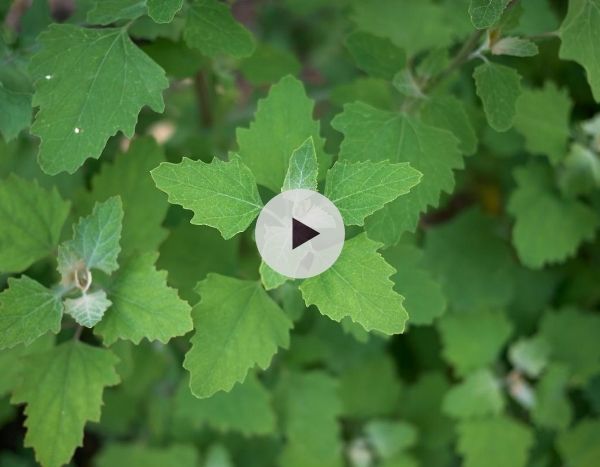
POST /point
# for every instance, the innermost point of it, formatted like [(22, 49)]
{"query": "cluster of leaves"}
[(459, 140)]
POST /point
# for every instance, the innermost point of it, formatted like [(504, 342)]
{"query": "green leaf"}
[(310, 400), (448, 113), (89, 308), (515, 46), (377, 56), (237, 327), (358, 286), (486, 13), (142, 305), (543, 119), (32, 219), (163, 11), (211, 28), (90, 84), (552, 408), (494, 442), (63, 389), (530, 355), (377, 135), (108, 11), (390, 437), (269, 64), (581, 172), (498, 87), (580, 446), (127, 455), (424, 300), (95, 243), (270, 278), (27, 311), (548, 228), (579, 34), (246, 408), (478, 395), (15, 112), (303, 168), (358, 189), (283, 121), (144, 206), (221, 194), (473, 340)]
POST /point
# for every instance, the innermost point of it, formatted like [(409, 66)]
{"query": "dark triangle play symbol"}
[(301, 233)]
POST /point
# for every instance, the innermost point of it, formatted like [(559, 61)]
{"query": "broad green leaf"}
[(478, 395), (543, 119), (142, 305), (494, 442), (548, 228), (390, 437), (579, 34), (269, 64), (109, 11), (32, 219), (15, 112), (515, 46), (246, 408), (12, 361), (474, 266), (310, 400), (530, 355), (144, 206), (358, 286), (282, 122), (163, 11), (270, 278), (237, 327), (448, 113), (473, 340), (303, 168), (129, 455), (424, 300), (358, 189), (211, 28), (221, 194), (27, 311), (486, 13), (377, 135), (377, 56), (63, 390), (90, 84), (89, 308), (498, 87), (95, 243), (580, 446), (552, 409)]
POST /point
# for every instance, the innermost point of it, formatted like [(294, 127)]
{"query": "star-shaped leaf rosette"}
[(237, 323)]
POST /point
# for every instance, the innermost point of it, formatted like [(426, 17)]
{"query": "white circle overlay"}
[(274, 233)]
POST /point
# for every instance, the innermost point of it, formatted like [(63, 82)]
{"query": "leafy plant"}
[(460, 141)]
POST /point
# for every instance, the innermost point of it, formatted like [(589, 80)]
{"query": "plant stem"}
[(78, 332), (204, 99)]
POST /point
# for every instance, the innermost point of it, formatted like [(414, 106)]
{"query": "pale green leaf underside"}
[(485, 13), (478, 395), (32, 219), (303, 168), (88, 309), (358, 286), (27, 311), (237, 327), (90, 84), (358, 189), (69, 379), (221, 194)]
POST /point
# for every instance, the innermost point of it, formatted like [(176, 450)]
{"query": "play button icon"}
[(299, 233)]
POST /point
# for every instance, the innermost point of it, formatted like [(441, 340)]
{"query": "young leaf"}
[(69, 379), (543, 119), (530, 355), (486, 13), (27, 311), (88, 309), (377, 135), (515, 46), (579, 34), (211, 29), (32, 219), (359, 189), (237, 327), (498, 87), (358, 286), (95, 242), (90, 84), (548, 228), (15, 112), (303, 169), (142, 305), (378, 56), (221, 194), (127, 455), (478, 395), (494, 442), (282, 123)]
